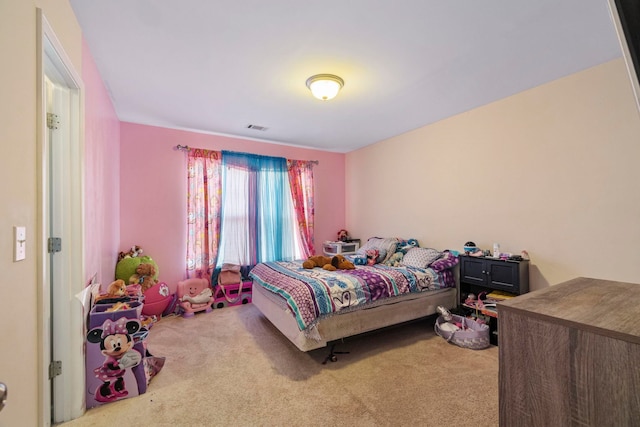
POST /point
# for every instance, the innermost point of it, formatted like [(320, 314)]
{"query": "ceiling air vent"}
[(256, 127)]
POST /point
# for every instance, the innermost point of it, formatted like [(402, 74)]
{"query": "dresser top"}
[(604, 307)]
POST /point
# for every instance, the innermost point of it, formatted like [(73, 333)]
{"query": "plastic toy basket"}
[(474, 335)]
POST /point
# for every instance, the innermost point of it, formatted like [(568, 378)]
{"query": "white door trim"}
[(68, 322)]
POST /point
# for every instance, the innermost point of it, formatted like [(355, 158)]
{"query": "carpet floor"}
[(231, 367)]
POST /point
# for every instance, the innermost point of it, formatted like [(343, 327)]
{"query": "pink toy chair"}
[(194, 295)]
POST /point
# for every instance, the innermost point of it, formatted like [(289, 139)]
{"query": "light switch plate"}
[(20, 243)]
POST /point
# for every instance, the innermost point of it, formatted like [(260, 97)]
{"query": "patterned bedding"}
[(316, 293)]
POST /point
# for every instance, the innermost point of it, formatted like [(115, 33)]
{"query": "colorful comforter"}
[(312, 294)]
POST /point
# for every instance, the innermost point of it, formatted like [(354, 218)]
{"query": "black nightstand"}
[(485, 274)]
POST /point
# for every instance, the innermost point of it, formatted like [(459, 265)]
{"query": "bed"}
[(312, 307)]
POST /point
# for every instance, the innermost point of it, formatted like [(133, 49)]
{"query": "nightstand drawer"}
[(340, 248)]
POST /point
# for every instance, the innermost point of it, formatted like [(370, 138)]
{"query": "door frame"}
[(65, 330)]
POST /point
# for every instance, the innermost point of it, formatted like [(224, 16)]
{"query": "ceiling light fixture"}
[(325, 86)]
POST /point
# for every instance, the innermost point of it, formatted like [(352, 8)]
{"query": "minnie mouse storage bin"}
[(115, 354)]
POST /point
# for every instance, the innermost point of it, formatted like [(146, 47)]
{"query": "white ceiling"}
[(216, 66)]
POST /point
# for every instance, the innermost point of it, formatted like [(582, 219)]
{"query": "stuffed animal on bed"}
[(405, 245), (341, 263), (372, 256), (338, 262), (316, 261), (395, 260)]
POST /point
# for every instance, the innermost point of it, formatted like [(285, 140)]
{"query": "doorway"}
[(60, 231)]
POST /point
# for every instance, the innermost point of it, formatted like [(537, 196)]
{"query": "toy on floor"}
[(116, 344), (194, 295), (231, 295), (201, 298), (156, 299)]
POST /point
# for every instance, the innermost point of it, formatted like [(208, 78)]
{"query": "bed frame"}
[(379, 315)]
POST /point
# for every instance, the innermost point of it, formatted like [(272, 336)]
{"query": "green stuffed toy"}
[(126, 267)]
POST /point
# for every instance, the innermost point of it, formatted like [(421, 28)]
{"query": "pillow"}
[(420, 257), (447, 260), (386, 247)]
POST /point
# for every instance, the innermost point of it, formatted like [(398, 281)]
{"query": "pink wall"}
[(153, 190), (102, 175)]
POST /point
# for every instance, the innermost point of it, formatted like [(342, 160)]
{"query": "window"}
[(246, 208)]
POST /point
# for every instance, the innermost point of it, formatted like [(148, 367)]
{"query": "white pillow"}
[(420, 257), (385, 246)]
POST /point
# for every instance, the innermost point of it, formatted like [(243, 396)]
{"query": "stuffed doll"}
[(372, 256), (343, 235)]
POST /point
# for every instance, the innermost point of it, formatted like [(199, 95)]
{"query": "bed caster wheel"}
[(332, 355)]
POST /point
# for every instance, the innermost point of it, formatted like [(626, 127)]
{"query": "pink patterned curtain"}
[(203, 211), (301, 182)]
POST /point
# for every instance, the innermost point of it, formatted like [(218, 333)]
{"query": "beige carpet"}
[(231, 367)]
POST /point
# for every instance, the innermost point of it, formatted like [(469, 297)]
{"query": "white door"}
[(61, 262)]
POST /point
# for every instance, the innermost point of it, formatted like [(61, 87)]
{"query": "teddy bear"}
[(144, 276)]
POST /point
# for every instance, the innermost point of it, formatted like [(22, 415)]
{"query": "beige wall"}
[(18, 283), (552, 170)]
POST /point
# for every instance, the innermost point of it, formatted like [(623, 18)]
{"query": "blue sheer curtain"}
[(258, 220)]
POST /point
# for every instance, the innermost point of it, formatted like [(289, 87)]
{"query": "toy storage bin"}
[(100, 372), (99, 313)]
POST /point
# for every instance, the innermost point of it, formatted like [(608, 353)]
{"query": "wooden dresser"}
[(569, 355)]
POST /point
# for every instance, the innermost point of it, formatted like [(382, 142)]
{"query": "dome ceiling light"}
[(325, 86)]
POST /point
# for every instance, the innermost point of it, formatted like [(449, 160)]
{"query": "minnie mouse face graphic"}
[(116, 344)]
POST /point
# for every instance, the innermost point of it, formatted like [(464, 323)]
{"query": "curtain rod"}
[(186, 148)]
